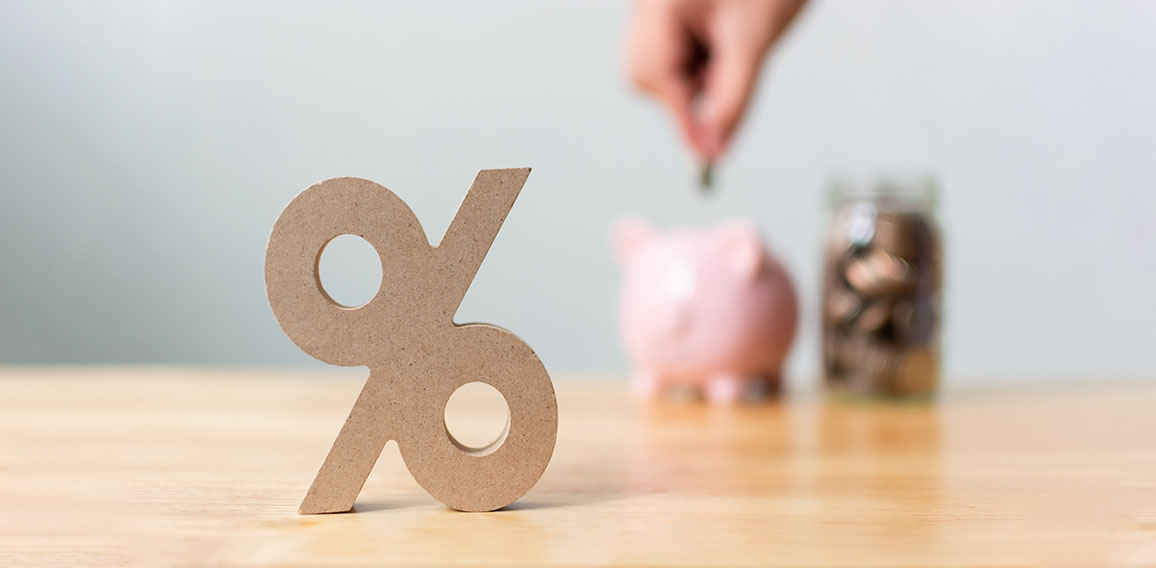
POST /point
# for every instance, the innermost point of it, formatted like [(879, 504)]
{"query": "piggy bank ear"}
[(630, 235), (743, 247)]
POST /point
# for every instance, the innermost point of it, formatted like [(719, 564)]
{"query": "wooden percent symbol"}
[(417, 356)]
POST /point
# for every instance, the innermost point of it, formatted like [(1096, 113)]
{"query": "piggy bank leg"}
[(725, 388), (645, 384), (773, 383)]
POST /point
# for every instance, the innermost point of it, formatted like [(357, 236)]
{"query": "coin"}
[(833, 356), (841, 307), (859, 228), (706, 177), (916, 371), (879, 273), (873, 317), (873, 366), (903, 320), (899, 234)]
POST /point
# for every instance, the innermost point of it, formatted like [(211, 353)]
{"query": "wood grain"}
[(161, 466)]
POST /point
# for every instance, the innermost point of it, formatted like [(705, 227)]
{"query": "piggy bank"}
[(710, 310)]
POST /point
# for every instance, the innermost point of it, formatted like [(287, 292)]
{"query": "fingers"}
[(657, 51), (677, 93), (729, 84)]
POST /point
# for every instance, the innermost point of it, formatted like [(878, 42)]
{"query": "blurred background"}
[(146, 149)]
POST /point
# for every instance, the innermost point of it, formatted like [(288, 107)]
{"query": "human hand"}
[(701, 58)]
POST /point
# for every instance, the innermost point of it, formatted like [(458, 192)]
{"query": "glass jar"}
[(881, 287)]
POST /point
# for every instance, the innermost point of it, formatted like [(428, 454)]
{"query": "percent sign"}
[(417, 356)]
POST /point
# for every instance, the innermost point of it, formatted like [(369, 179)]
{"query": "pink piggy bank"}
[(706, 309)]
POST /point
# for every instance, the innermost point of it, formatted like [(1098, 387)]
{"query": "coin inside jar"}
[(903, 320), (878, 273), (897, 233), (873, 317), (915, 372), (841, 307)]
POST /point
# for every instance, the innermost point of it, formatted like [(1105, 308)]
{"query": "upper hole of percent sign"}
[(350, 271)]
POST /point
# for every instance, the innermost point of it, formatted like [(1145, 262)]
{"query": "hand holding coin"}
[(702, 60)]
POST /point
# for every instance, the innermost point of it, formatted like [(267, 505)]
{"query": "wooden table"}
[(161, 466)]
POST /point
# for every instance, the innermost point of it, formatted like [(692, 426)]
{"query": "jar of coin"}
[(881, 287)]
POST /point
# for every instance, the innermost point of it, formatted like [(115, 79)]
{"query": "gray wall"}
[(147, 147)]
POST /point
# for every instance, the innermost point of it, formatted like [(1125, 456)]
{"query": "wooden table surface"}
[(190, 467)]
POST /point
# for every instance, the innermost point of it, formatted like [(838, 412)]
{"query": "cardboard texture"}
[(417, 356)]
